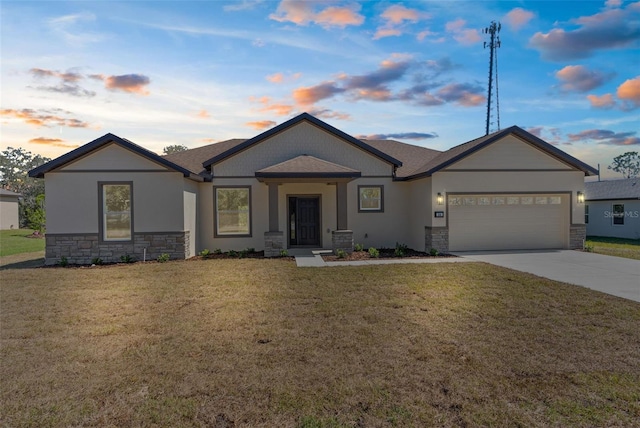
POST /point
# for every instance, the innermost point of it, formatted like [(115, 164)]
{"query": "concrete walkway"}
[(613, 275)]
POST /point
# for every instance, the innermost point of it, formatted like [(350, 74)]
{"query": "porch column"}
[(273, 207), (273, 239), (341, 199), (342, 238)]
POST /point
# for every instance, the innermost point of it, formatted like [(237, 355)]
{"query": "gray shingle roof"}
[(628, 188)]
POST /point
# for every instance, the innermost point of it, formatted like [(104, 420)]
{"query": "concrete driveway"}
[(613, 275)]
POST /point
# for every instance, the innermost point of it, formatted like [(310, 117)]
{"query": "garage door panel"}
[(490, 226)]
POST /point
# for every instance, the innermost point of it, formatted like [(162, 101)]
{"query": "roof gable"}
[(104, 142), (292, 122), (457, 153)]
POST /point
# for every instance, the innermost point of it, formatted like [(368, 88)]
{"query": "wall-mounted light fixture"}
[(440, 199), (581, 197)]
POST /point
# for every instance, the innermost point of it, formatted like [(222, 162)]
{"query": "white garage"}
[(508, 221)]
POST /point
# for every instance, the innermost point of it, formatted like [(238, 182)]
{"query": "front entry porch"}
[(313, 194)]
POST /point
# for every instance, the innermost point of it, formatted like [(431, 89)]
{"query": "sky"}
[(193, 73)]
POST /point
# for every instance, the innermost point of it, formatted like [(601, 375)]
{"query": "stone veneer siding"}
[(342, 240), (577, 235), (436, 237), (83, 248), (273, 244)]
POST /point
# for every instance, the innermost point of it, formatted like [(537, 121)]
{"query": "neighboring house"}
[(612, 208), (307, 184), (9, 218)]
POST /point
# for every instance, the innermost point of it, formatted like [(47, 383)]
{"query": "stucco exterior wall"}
[(9, 212), (190, 203), (601, 219), (72, 200), (113, 157), (420, 207), (303, 138), (509, 153)]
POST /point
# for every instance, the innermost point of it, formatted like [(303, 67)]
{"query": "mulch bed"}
[(385, 254)]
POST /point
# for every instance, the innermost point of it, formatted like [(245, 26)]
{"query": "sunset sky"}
[(192, 73)]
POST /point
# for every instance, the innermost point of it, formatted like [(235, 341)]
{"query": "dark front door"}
[(304, 218)]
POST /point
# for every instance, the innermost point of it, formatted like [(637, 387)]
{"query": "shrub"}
[(284, 253), (341, 254), (588, 248), (358, 247), (250, 250), (232, 253), (205, 252), (96, 261), (127, 259), (434, 252), (64, 262), (401, 250), (217, 251), (374, 253), (164, 257)]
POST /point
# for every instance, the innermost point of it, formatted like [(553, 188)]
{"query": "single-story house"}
[(307, 184), (9, 202), (612, 208)]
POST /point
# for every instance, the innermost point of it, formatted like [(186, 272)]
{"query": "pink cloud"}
[(275, 108), (605, 101), (54, 142), (629, 91), (577, 78), (130, 83), (43, 118), (203, 114), (261, 124), (518, 18), (461, 34), (302, 13), (386, 32)]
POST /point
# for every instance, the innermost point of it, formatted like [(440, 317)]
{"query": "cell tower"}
[(493, 44)]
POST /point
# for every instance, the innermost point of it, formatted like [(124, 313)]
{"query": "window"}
[(370, 198), (586, 214), (116, 208), (618, 214), (233, 211)]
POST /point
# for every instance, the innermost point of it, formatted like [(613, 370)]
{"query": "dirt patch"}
[(385, 254)]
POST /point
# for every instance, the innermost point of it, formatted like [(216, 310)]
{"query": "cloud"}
[(270, 107), (68, 82), (577, 78), (629, 92), (465, 94), (518, 18), (243, 5), (261, 124), (42, 117), (302, 13), (610, 29), (69, 27), (281, 78), (329, 114), (399, 136), (605, 136), (130, 83), (395, 17), (613, 3), (310, 95), (605, 101), (461, 34), (55, 142), (203, 114)]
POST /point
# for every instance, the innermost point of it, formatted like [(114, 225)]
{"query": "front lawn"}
[(619, 247), (17, 241), (263, 343)]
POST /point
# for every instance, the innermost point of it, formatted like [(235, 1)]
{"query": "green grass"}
[(262, 343), (618, 247), (15, 241)]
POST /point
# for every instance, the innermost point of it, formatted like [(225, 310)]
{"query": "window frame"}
[(586, 213), (371, 210), (216, 234), (615, 217), (102, 211)]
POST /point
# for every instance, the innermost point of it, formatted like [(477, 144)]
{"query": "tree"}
[(15, 165), (174, 148), (627, 164)]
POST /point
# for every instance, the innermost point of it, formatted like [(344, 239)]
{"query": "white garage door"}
[(508, 222)]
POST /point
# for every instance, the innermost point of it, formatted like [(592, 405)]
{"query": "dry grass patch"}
[(263, 343)]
